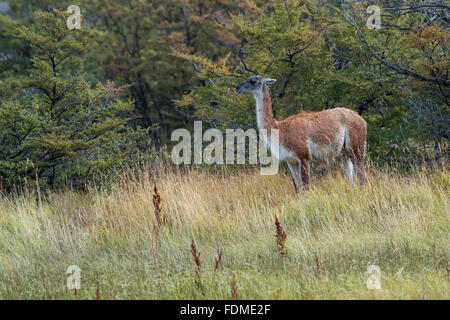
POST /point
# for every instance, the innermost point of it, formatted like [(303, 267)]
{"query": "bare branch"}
[(241, 56)]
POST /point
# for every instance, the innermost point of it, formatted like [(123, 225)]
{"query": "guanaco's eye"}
[(252, 81)]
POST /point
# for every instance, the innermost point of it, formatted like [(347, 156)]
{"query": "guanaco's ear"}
[(269, 80)]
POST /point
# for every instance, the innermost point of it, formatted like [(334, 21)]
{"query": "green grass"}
[(399, 222)]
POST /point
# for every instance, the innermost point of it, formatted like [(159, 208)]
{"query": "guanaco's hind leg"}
[(360, 171), (304, 168), (295, 173), (348, 169), (356, 147), (359, 161)]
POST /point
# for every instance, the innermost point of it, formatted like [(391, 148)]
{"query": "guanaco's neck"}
[(264, 113)]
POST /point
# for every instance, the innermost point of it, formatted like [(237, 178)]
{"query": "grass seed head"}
[(196, 254), (280, 236), (160, 218)]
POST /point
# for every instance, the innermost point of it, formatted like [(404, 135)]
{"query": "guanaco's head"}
[(253, 84)]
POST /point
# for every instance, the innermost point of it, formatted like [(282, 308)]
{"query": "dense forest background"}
[(78, 103)]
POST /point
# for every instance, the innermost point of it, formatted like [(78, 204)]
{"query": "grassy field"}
[(399, 222)]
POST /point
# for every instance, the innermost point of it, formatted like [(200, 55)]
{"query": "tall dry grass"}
[(398, 221)]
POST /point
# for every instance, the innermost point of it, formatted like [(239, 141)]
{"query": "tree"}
[(53, 123), (408, 57), (135, 41)]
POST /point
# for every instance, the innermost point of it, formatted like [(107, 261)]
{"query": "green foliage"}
[(284, 41), (55, 125), (133, 41)]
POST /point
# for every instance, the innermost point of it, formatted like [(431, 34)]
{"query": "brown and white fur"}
[(311, 136)]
